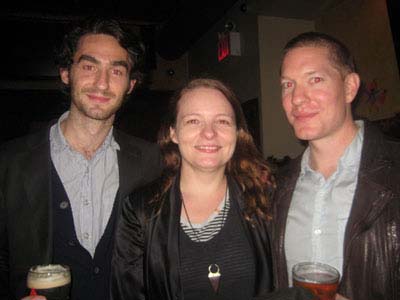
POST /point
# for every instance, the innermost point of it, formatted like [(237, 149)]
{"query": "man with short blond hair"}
[(339, 202)]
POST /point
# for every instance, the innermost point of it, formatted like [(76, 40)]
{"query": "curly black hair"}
[(95, 25)]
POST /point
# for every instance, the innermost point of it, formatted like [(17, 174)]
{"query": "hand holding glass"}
[(51, 281), (321, 279)]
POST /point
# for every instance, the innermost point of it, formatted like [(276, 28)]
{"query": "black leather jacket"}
[(371, 267), (146, 257)]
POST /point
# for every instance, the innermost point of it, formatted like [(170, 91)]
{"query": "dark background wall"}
[(27, 111)]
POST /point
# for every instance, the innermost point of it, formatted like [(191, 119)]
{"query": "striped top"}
[(207, 230)]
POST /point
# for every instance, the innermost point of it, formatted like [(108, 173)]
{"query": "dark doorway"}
[(252, 115)]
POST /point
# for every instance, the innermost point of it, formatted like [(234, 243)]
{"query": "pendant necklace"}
[(214, 272)]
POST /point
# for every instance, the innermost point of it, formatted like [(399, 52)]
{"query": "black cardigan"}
[(26, 223)]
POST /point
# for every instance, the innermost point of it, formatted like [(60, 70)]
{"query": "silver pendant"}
[(214, 275)]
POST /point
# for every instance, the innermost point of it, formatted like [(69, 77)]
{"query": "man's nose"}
[(102, 80), (298, 95)]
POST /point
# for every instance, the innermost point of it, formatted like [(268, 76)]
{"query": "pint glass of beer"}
[(51, 281), (321, 279)]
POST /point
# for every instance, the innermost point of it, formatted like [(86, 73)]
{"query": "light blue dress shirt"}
[(91, 185), (320, 209)]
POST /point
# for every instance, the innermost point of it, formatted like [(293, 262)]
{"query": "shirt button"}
[(317, 231), (86, 235), (64, 204), (86, 202), (96, 270)]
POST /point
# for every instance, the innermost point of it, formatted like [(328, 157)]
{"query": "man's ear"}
[(172, 135), (351, 86), (64, 74), (132, 84)]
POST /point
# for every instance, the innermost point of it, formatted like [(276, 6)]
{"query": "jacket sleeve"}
[(4, 265), (4, 269), (127, 262)]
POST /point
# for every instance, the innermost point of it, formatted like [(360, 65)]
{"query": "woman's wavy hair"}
[(246, 166)]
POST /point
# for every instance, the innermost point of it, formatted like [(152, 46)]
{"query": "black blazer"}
[(145, 264), (25, 199)]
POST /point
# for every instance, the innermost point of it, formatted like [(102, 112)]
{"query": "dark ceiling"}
[(176, 24), (30, 29)]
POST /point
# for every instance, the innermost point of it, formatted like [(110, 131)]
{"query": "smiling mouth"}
[(208, 148), (304, 116), (98, 98)]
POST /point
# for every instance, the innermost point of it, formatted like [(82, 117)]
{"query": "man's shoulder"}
[(290, 168), (25, 143), (384, 145), (393, 146), (138, 158), (380, 160), (128, 141)]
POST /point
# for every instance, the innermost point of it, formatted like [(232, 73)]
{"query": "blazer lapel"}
[(174, 213), (164, 243), (37, 186), (128, 174), (372, 193), (277, 225), (128, 158)]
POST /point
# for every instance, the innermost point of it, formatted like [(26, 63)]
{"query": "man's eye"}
[(88, 67), (316, 79), (117, 72), (287, 84), (224, 122)]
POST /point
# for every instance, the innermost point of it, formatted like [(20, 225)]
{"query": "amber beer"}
[(51, 281), (321, 279)]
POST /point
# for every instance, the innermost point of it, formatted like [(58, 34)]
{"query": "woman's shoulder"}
[(145, 201)]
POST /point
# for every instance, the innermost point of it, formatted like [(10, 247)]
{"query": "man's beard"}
[(96, 112)]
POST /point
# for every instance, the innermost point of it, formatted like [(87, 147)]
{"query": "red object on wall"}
[(223, 45)]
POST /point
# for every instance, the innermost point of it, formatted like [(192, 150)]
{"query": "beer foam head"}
[(48, 276)]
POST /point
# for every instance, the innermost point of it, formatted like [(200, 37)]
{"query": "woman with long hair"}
[(199, 232)]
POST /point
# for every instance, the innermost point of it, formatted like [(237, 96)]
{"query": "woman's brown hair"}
[(246, 166)]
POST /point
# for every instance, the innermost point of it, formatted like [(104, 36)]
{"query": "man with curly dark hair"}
[(60, 188)]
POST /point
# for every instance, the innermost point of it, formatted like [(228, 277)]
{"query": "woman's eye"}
[(192, 121)]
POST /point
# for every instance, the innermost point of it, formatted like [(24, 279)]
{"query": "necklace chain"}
[(223, 219), (214, 273)]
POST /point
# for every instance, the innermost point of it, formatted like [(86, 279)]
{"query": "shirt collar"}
[(350, 158), (59, 143)]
